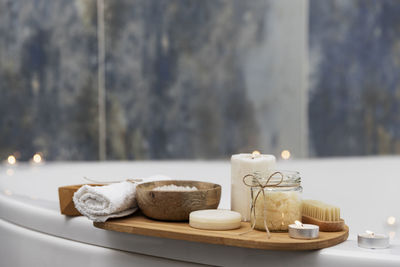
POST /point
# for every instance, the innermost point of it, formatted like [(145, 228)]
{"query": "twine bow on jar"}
[(255, 180)]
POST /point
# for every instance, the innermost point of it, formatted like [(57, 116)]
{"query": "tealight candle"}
[(241, 165), (303, 231), (371, 240)]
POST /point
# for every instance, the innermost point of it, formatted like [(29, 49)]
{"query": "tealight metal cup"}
[(306, 231), (373, 241)]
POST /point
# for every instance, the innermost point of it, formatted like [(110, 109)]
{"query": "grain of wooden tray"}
[(140, 225)]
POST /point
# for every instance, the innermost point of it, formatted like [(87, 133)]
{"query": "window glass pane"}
[(205, 79), (354, 97), (190, 79), (48, 79)]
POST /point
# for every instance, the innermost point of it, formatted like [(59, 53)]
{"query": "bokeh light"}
[(11, 160), (391, 220), (37, 158), (285, 154)]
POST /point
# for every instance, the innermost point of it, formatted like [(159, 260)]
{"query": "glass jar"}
[(282, 197)]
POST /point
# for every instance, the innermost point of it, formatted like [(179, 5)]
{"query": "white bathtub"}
[(33, 233)]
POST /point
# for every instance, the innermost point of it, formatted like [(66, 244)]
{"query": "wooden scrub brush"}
[(326, 216)]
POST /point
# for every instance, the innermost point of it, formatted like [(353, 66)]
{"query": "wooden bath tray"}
[(140, 225)]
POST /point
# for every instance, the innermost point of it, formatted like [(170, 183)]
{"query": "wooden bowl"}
[(176, 205)]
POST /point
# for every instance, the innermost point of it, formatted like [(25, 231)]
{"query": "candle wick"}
[(255, 154), (299, 224), (370, 233)]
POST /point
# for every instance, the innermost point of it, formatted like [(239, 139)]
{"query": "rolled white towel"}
[(99, 203)]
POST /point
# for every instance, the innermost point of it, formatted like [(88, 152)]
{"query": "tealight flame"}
[(370, 233), (285, 154), (11, 160), (391, 220), (255, 154), (37, 158)]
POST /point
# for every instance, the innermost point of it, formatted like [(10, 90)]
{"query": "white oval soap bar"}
[(215, 219)]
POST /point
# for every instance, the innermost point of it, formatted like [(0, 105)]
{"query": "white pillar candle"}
[(241, 165)]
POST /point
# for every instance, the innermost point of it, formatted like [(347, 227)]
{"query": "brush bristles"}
[(320, 210)]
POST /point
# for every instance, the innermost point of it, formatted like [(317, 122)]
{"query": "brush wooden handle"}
[(325, 226)]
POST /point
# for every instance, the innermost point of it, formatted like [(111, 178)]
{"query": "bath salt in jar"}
[(281, 201)]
